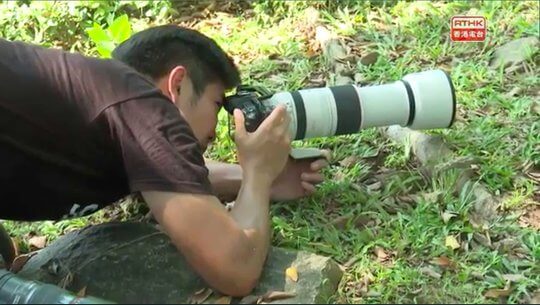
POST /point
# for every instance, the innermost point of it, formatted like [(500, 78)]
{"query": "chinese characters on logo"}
[(468, 28)]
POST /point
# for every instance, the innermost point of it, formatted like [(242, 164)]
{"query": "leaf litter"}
[(451, 242), (292, 274), (499, 293), (38, 242), (20, 261), (268, 297), (200, 296), (223, 300)]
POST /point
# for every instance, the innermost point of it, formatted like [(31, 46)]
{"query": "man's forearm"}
[(251, 212), (226, 179), (231, 247), (252, 198)]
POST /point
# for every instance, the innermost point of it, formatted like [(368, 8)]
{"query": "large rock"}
[(515, 52), (136, 263)]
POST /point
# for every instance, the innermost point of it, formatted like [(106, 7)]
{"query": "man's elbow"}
[(240, 273), (241, 287), (241, 281)]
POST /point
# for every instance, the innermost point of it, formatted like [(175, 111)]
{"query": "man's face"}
[(201, 112)]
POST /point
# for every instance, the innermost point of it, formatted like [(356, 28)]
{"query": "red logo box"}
[(468, 28)]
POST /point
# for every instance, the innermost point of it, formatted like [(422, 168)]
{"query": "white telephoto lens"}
[(434, 99), (423, 100)]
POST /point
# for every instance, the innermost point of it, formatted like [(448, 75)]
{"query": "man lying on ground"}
[(79, 133)]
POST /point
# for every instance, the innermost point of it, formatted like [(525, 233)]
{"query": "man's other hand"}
[(299, 178)]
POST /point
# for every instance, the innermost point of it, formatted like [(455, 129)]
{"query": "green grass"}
[(403, 216)]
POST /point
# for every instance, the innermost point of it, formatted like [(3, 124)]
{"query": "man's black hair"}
[(156, 50)]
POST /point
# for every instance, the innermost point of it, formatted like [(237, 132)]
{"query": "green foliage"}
[(106, 40), (68, 24)]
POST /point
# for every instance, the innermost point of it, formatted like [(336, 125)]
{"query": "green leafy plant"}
[(107, 39)]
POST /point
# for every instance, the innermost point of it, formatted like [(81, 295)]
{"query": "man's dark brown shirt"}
[(78, 133)]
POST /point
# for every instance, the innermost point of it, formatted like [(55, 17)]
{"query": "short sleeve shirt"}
[(79, 133)]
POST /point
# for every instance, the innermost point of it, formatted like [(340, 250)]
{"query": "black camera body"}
[(249, 100)]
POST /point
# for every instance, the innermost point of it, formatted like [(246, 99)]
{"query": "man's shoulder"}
[(105, 82), (91, 83), (109, 70)]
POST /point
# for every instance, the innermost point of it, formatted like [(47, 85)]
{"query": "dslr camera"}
[(422, 100)]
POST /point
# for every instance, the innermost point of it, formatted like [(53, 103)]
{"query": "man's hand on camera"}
[(299, 178), (263, 153)]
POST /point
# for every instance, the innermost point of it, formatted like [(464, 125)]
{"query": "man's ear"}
[(174, 82)]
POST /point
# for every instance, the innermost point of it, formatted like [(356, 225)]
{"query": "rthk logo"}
[(468, 28)]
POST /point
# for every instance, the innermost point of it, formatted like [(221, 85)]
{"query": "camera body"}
[(249, 100)]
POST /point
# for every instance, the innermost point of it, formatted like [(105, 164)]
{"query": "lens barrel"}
[(17, 290), (423, 100)]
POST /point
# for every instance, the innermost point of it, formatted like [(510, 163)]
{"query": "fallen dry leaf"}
[(360, 288), (277, 295), (409, 199), (432, 197), (330, 206), (430, 272), (349, 161), (535, 107), (362, 222), (38, 242), (20, 261), (373, 294), (224, 300), (200, 296), (497, 293), (251, 299), (484, 240), (513, 92), (340, 222), (381, 254), (507, 245), (365, 281), (369, 58), (451, 242), (477, 275), (351, 261), (368, 278), (442, 261), (531, 217), (292, 273), (446, 216), (358, 222), (536, 297), (513, 277), (359, 78), (374, 186), (339, 176), (534, 175), (82, 292)]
